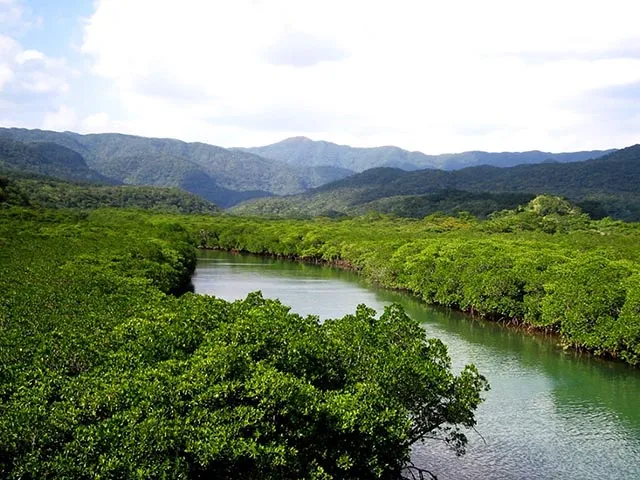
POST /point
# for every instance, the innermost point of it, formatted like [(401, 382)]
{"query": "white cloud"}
[(30, 71), (434, 76), (65, 118), (28, 55), (10, 12), (17, 18), (6, 75), (8, 48), (299, 49), (32, 84), (96, 123)]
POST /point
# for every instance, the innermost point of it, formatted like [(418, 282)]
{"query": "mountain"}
[(39, 191), (609, 185), (303, 151), (47, 159), (222, 176), (227, 177)]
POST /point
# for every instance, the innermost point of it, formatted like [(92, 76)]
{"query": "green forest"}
[(45, 192), (110, 367)]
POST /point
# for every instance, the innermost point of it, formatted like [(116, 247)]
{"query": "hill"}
[(606, 186), (47, 159), (219, 175), (303, 151), (38, 191)]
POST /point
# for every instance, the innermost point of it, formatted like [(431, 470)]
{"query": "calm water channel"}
[(550, 414)]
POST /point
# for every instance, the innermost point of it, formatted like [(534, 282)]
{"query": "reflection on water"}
[(550, 413)]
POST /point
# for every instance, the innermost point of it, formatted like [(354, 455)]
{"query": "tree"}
[(197, 387)]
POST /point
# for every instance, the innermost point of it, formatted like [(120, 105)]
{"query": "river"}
[(550, 413)]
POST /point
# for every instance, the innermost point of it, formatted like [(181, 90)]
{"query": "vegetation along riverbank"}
[(109, 370), (546, 265)]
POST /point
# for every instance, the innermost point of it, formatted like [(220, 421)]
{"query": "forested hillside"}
[(47, 159), (303, 151), (45, 192), (223, 176), (608, 186)]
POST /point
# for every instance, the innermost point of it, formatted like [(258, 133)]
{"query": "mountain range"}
[(320, 175), (301, 151), (609, 185), (219, 175)]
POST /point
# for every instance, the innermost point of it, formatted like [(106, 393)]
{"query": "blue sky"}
[(58, 24), (424, 75)]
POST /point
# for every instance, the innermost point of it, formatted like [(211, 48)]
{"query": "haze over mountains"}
[(302, 151)]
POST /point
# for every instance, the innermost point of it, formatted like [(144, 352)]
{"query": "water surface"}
[(550, 414)]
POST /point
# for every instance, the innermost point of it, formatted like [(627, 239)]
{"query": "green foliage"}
[(47, 159), (104, 374), (588, 296), (544, 213), (451, 202), (48, 193), (533, 265), (12, 194)]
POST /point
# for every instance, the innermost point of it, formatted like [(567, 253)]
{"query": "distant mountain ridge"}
[(608, 185), (304, 151), (227, 177)]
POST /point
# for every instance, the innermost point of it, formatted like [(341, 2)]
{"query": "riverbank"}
[(510, 323), (582, 285), (533, 419)]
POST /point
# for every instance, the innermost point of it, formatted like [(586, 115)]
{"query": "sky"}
[(435, 76)]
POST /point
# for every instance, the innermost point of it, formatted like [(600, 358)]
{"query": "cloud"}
[(96, 123), (64, 118), (29, 55), (626, 50), (422, 75), (6, 75), (30, 70), (17, 18), (161, 84), (612, 112), (299, 49), (33, 85), (629, 92), (10, 12), (289, 119)]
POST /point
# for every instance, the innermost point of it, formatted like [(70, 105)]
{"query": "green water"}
[(550, 414)]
